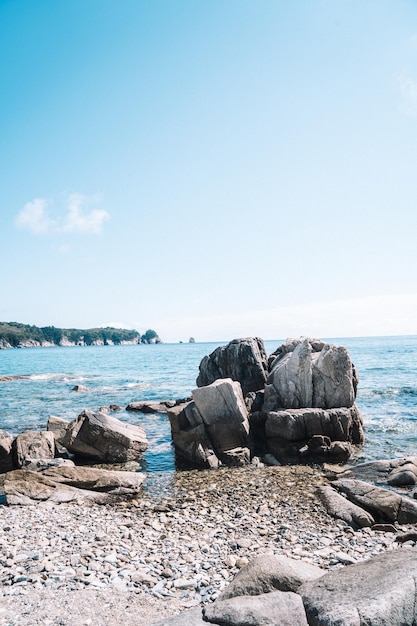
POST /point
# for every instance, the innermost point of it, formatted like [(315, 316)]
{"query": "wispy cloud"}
[(408, 91), (74, 218), (78, 221), (34, 217)]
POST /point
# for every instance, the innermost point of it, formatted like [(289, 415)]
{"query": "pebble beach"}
[(174, 547)]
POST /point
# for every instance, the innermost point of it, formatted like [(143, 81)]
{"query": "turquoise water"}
[(387, 395)]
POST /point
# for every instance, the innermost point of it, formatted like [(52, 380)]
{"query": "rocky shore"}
[(177, 546)]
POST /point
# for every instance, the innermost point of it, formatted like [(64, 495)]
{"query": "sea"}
[(387, 393)]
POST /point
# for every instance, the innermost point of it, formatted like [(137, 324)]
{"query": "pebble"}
[(185, 537)]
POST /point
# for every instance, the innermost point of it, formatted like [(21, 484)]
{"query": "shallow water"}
[(387, 395)]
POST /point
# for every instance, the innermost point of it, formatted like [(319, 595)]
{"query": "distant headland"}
[(16, 335)]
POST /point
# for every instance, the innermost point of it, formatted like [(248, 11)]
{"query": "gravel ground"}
[(177, 546)]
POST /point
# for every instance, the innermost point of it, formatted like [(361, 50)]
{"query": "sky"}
[(215, 169)]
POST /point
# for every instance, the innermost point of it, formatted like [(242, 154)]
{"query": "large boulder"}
[(377, 592), (308, 373), (213, 429), (31, 445), (190, 438), (270, 572), (242, 360), (101, 437), (312, 434), (276, 607), (70, 484), (224, 414)]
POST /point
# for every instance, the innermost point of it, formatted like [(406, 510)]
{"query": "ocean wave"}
[(56, 376)]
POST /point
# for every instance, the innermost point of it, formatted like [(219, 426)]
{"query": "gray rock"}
[(224, 414), (190, 438), (6, 453), (297, 425), (270, 573), (242, 360), (377, 592), (383, 504), (104, 438), (277, 607), (31, 445), (309, 373), (58, 426), (341, 508), (69, 484), (396, 472)]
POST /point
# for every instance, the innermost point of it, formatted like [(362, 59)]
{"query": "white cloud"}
[(34, 217), (408, 91), (73, 219), (77, 221)]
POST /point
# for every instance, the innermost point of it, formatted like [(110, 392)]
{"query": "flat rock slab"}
[(378, 592), (383, 504), (396, 472), (277, 607), (69, 484), (341, 508), (268, 573)]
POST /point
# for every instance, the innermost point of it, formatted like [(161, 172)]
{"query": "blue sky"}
[(210, 169)]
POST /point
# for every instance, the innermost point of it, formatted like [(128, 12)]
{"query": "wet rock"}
[(150, 407)]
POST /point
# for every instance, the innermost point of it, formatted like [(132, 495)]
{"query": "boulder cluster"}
[(38, 467), (274, 589), (296, 406)]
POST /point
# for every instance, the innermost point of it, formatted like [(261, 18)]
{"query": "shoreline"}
[(172, 548)]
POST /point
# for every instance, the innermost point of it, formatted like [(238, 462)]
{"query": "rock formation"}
[(300, 404), (379, 591)]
